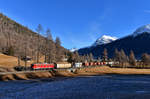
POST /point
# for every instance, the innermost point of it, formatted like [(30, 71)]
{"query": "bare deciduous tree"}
[(91, 57), (132, 59), (145, 59), (123, 57), (39, 30), (105, 57), (58, 49)]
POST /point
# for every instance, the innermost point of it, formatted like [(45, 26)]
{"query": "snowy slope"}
[(73, 49), (142, 29), (105, 39)]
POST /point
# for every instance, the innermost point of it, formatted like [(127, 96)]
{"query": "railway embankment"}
[(70, 73)]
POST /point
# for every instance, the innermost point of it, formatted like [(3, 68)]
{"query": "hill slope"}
[(15, 35), (16, 38)]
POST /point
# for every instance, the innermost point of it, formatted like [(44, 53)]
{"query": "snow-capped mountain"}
[(138, 42), (142, 29), (105, 39), (73, 49)]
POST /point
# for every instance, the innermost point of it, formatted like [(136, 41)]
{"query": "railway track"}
[(36, 71), (33, 71)]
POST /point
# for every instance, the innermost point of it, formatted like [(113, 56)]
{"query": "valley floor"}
[(99, 70)]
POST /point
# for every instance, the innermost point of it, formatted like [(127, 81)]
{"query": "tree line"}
[(120, 58), (129, 61)]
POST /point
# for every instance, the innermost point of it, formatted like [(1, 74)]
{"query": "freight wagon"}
[(77, 65), (62, 65), (94, 63)]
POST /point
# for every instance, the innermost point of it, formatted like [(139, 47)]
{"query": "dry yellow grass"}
[(79, 72), (11, 61), (7, 61), (108, 70)]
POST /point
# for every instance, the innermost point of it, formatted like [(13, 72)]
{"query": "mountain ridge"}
[(138, 43)]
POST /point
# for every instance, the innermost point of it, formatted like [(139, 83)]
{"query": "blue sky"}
[(79, 23)]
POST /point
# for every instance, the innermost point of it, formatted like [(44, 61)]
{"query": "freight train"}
[(61, 65), (64, 65)]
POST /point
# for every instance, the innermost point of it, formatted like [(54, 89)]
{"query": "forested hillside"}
[(18, 40)]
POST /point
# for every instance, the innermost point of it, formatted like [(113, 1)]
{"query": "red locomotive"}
[(44, 66), (86, 64)]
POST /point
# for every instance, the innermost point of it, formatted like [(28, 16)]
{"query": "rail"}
[(35, 71)]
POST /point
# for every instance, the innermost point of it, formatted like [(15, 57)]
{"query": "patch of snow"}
[(105, 39), (142, 29), (73, 49)]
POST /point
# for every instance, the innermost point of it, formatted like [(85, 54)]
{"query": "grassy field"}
[(7, 63)]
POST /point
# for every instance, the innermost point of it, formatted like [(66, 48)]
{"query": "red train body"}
[(98, 63), (94, 64), (86, 64), (42, 66), (91, 63)]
